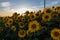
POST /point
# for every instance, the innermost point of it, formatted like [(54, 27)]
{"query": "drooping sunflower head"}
[(21, 25), (47, 10), (46, 17), (1, 29), (14, 13), (13, 28), (27, 12), (33, 26), (55, 34), (38, 14), (21, 33)]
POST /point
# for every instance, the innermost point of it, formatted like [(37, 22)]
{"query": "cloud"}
[(53, 3), (5, 4)]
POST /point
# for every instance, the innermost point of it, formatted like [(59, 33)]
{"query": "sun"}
[(23, 10)]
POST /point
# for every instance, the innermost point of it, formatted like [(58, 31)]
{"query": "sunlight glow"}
[(23, 10)]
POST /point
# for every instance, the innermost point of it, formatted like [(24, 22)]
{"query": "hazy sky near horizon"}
[(7, 7)]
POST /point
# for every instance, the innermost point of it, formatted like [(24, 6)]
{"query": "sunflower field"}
[(40, 25)]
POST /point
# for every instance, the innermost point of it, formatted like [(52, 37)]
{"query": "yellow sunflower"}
[(55, 15), (58, 9), (55, 34), (13, 28), (15, 15), (38, 14), (32, 16), (46, 17), (5, 19), (7, 25), (21, 25), (33, 26), (23, 19), (26, 13), (21, 33), (10, 21), (1, 29), (47, 10)]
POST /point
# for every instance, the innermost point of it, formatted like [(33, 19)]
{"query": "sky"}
[(8, 7)]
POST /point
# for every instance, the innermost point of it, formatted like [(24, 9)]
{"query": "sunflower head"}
[(55, 15), (13, 28), (55, 34), (32, 16), (27, 12), (38, 14), (58, 9), (46, 17), (10, 21), (23, 19), (5, 19), (21, 33), (33, 26), (21, 25), (7, 25), (47, 10), (14, 13), (1, 29)]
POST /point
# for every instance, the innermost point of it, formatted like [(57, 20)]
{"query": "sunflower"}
[(21, 25), (46, 17), (21, 33), (58, 9), (38, 14), (10, 21), (26, 13), (5, 19), (32, 16), (1, 29), (15, 15), (55, 15), (47, 10), (13, 28), (55, 34), (33, 26), (7, 25), (23, 19)]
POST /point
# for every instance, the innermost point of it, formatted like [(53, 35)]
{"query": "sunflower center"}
[(21, 24), (33, 26), (56, 34), (22, 32), (7, 24), (32, 16), (48, 11), (13, 28), (37, 14), (46, 17), (10, 21)]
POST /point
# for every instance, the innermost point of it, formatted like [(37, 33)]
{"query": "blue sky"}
[(7, 7)]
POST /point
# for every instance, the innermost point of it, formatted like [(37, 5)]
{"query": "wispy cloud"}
[(5, 4), (53, 3)]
